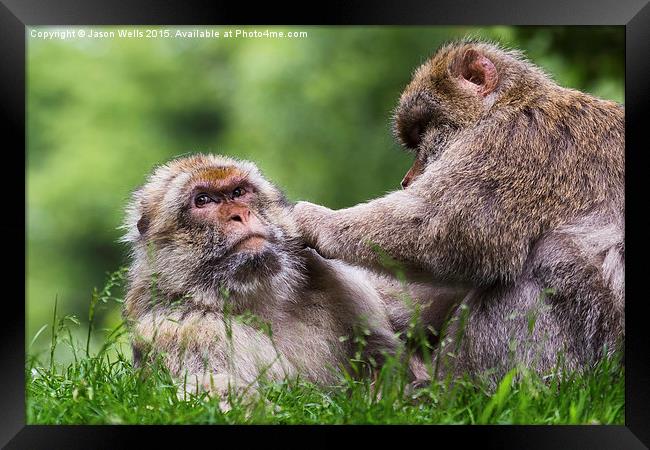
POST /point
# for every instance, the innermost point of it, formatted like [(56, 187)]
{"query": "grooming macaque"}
[(517, 192), (222, 288)]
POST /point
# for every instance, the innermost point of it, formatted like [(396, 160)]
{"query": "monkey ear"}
[(143, 224), (477, 69)]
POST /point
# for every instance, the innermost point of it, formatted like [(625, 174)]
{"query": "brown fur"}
[(178, 308), (518, 186)]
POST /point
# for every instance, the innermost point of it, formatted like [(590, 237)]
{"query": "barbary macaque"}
[(517, 192), (222, 288)]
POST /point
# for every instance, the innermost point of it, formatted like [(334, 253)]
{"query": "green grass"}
[(103, 387)]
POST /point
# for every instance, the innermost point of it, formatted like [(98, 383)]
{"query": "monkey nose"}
[(243, 216)]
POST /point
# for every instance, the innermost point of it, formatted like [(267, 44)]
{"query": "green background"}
[(313, 113)]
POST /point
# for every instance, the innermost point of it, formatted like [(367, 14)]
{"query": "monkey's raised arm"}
[(348, 233), (457, 235)]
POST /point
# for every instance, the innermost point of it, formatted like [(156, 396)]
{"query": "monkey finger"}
[(315, 261)]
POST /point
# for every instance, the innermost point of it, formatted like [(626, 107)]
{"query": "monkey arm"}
[(399, 298), (428, 229), (348, 233), (369, 234), (433, 302)]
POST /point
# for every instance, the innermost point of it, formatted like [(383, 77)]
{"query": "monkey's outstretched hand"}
[(308, 217), (347, 234)]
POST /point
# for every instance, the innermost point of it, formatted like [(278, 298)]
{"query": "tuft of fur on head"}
[(436, 97), (188, 261)]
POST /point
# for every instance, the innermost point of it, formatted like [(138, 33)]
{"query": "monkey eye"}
[(201, 200), (238, 192)]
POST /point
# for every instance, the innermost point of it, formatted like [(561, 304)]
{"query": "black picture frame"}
[(634, 15)]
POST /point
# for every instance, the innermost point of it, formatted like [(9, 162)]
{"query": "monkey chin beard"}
[(259, 271), (253, 265)]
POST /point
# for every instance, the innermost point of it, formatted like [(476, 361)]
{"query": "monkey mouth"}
[(253, 258), (253, 242)]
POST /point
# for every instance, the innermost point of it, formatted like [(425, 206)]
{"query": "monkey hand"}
[(309, 218), (315, 263)]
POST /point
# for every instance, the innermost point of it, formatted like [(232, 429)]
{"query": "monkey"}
[(222, 289), (516, 193)]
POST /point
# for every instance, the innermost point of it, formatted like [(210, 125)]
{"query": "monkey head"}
[(452, 91), (206, 223)]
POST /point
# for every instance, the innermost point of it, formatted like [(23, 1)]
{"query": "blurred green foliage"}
[(313, 113)]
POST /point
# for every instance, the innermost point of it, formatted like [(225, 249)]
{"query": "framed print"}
[(407, 215)]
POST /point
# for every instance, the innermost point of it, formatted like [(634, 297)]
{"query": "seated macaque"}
[(222, 288)]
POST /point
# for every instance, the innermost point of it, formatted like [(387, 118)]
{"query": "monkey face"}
[(214, 223), (241, 244)]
